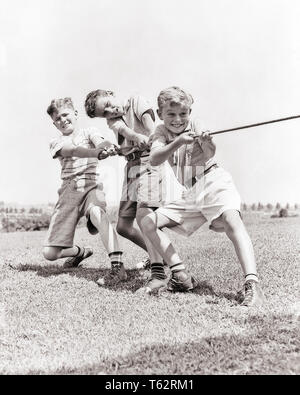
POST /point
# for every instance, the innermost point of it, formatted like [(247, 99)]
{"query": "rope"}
[(254, 125)]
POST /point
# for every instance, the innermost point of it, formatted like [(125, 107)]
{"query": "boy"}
[(132, 121), (78, 151), (211, 195)]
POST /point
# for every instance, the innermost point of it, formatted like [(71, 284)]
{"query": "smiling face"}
[(65, 120), (108, 107), (175, 116)]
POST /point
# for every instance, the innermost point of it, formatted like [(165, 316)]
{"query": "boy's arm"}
[(119, 127), (70, 150), (207, 145), (96, 138), (148, 122), (160, 153), (100, 152), (102, 147)]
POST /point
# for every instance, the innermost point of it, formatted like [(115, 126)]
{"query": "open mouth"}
[(66, 125)]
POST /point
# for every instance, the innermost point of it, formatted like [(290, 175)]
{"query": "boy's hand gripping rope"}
[(120, 150)]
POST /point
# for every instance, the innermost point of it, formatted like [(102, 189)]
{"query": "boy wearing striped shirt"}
[(211, 196), (78, 151)]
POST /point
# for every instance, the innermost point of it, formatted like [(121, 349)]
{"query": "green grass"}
[(56, 321)]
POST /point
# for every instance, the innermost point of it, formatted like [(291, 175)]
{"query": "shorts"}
[(73, 203), (142, 187), (210, 197)]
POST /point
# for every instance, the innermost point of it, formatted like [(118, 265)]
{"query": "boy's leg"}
[(126, 227), (62, 229), (76, 254), (151, 226), (153, 254), (158, 278), (237, 233), (108, 234), (110, 240)]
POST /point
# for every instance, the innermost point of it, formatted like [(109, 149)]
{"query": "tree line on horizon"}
[(35, 219), (259, 206), (6, 209)]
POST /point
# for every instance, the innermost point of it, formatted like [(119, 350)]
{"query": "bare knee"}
[(51, 253), (95, 214), (142, 213), (148, 224), (123, 228), (232, 221), (139, 217)]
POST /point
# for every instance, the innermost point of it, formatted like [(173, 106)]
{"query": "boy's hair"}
[(174, 95), (56, 104), (90, 101)]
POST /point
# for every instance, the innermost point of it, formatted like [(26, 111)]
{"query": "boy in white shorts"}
[(210, 196), (78, 151)]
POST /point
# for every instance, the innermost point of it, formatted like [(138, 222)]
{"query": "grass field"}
[(54, 321)]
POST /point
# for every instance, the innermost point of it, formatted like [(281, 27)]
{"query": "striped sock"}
[(177, 267), (116, 258), (251, 276), (158, 271)]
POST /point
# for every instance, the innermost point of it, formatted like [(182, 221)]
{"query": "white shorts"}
[(210, 197)]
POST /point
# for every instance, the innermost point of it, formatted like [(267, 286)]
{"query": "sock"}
[(158, 271), (177, 267), (116, 258), (252, 277)]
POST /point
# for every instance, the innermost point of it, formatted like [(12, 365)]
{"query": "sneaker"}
[(74, 261), (181, 282), (117, 274), (144, 264), (254, 295), (154, 286)]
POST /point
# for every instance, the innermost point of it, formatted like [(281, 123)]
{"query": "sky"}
[(240, 59)]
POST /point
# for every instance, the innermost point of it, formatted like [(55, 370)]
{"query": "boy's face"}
[(176, 117), (65, 120), (108, 107)]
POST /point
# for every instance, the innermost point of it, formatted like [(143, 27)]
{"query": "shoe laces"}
[(146, 263), (178, 277), (249, 291), (115, 268), (176, 283)]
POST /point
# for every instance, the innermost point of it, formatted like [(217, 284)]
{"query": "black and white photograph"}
[(149, 192)]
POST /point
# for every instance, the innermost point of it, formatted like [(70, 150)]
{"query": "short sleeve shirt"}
[(187, 161), (135, 108), (77, 168)]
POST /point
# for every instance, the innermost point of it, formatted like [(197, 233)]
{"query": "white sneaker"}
[(254, 295)]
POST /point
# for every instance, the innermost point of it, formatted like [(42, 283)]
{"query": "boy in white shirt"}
[(210, 196)]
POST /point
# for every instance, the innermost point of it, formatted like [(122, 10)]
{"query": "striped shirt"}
[(187, 161), (135, 108), (77, 168)]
